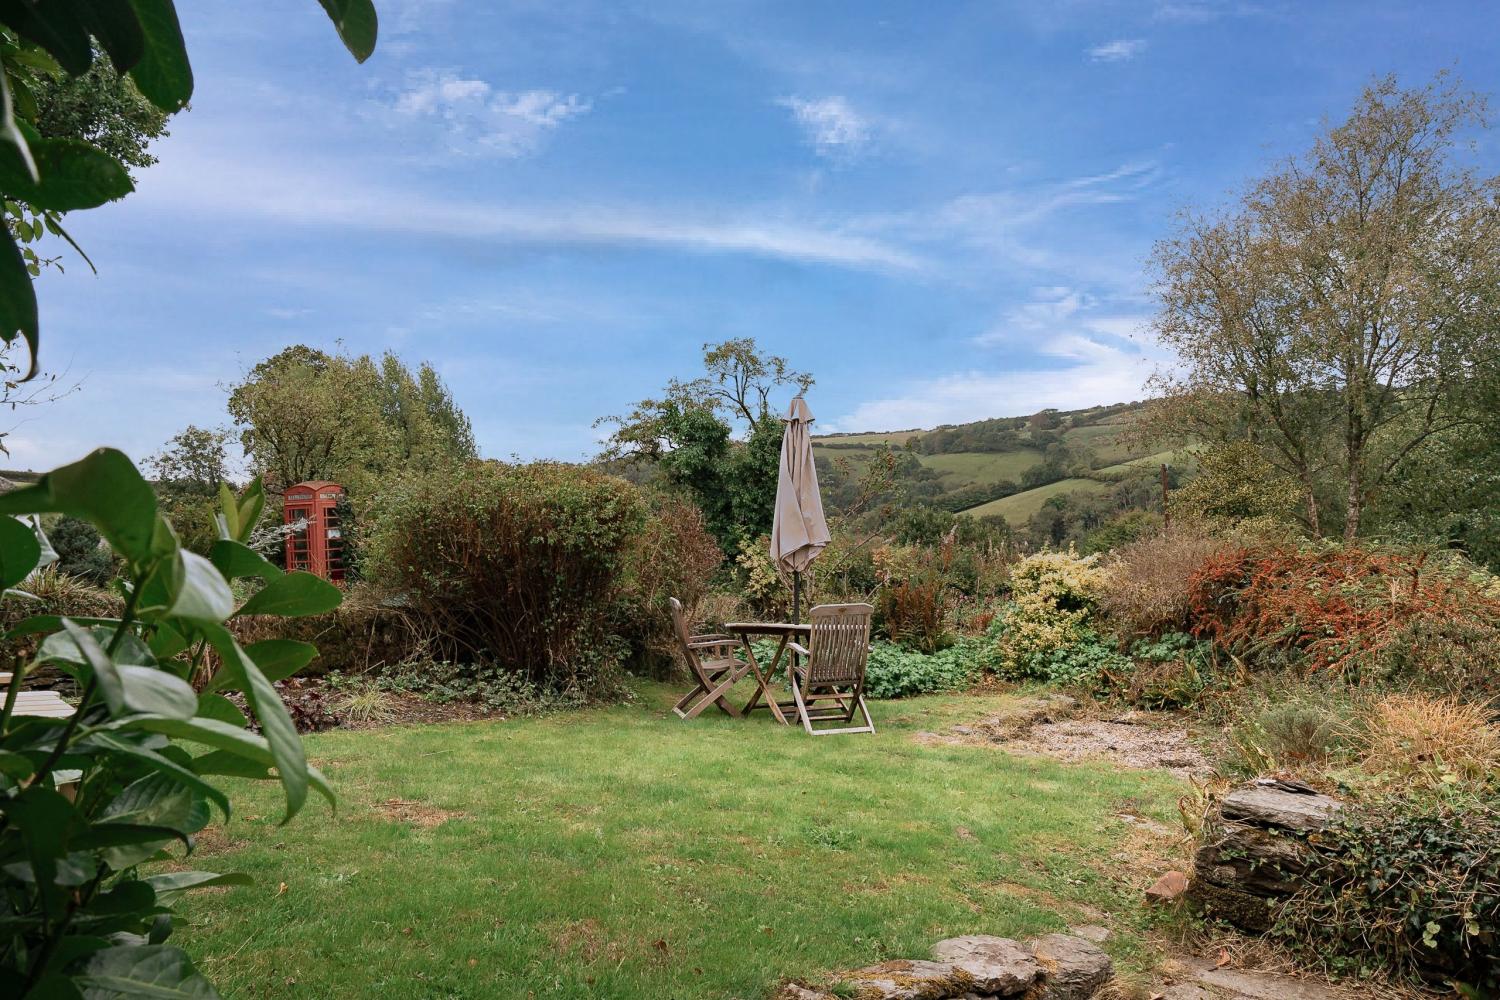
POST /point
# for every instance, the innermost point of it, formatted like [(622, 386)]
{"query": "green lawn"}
[(624, 853), (1018, 507)]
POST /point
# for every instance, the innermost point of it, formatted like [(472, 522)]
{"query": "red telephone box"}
[(317, 545)]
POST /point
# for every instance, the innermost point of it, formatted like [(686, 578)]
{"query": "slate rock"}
[(791, 991), (999, 965), (1092, 932), (1072, 968), (1275, 806), (909, 979)]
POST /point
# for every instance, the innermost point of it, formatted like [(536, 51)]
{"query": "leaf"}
[(163, 75), (203, 594), (18, 314), (235, 560), (152, 971), (92, 656), (156, 802), (170, 883), (104, 489), (220, 708), (70, 174), (293, 595), (279, 659), (356, 23), (16, 766), (19, 551), (161, 764), (153, 691), (56, 27), (275, 724), (228, 516), (115, 28)]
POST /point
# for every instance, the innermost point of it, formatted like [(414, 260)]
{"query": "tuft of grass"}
[(621, 852), (1436, 740), (366, 704)]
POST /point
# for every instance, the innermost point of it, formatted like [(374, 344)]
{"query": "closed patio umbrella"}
[(798, 529)]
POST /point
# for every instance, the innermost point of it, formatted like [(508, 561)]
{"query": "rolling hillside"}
[(1011, 466)]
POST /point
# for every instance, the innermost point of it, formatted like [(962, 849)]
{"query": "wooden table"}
[(763, 677)]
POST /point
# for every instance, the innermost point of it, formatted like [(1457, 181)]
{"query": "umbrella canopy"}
[(798, 530)]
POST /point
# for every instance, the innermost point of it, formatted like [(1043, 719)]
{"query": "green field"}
[(896, 438), (1018, 508), (1175, 456), (966, 467), (623, 853)]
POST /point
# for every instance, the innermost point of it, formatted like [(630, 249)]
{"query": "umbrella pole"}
[(796, 602)]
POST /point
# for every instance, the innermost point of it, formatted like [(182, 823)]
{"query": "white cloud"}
[(261, 190), (477, 119), (1082, 371), (1119, 50), (830, 124)]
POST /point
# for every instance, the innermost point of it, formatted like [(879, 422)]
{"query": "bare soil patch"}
[(418, 814), (1053, 726)]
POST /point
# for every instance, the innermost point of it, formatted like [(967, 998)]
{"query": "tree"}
[(194, 459), (101, 108), (736, 386), (688, 436), (307, 414), (1333, 318)]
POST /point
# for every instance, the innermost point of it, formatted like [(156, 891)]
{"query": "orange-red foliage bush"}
[(1342, 608)]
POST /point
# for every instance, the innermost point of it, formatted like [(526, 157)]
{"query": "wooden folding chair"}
[(713, 675), (829, 685)]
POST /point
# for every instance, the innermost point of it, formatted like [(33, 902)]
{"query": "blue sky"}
[(942, 210)]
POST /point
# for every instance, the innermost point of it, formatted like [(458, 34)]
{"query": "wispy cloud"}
[(831, 125), (478, 119), (1118, 50), (239, 186)]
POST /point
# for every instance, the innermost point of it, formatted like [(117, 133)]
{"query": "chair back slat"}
[(684, 638), (839, 644)]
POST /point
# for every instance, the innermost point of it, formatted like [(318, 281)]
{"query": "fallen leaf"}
[(281, 889)]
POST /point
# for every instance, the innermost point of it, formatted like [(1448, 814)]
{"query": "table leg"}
[(762, 685)]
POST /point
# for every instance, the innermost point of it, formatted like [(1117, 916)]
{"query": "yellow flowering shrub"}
[(764, 589), (1053, 595)]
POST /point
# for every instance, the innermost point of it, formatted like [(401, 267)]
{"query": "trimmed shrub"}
[(516, 565), (80, 552)]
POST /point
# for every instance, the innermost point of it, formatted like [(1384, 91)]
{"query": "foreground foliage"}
[(89, 798)]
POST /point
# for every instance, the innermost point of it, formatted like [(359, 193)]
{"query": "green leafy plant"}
[(86, 800), (894, 672), (1411, 881)]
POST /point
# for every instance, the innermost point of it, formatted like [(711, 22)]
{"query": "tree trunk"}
[(1312, 504), (1354, 505)]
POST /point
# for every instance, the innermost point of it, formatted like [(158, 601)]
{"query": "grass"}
[(1018, 508), (966, 467), (623, 853)]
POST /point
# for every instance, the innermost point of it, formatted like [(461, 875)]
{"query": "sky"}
[(942, 210)]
